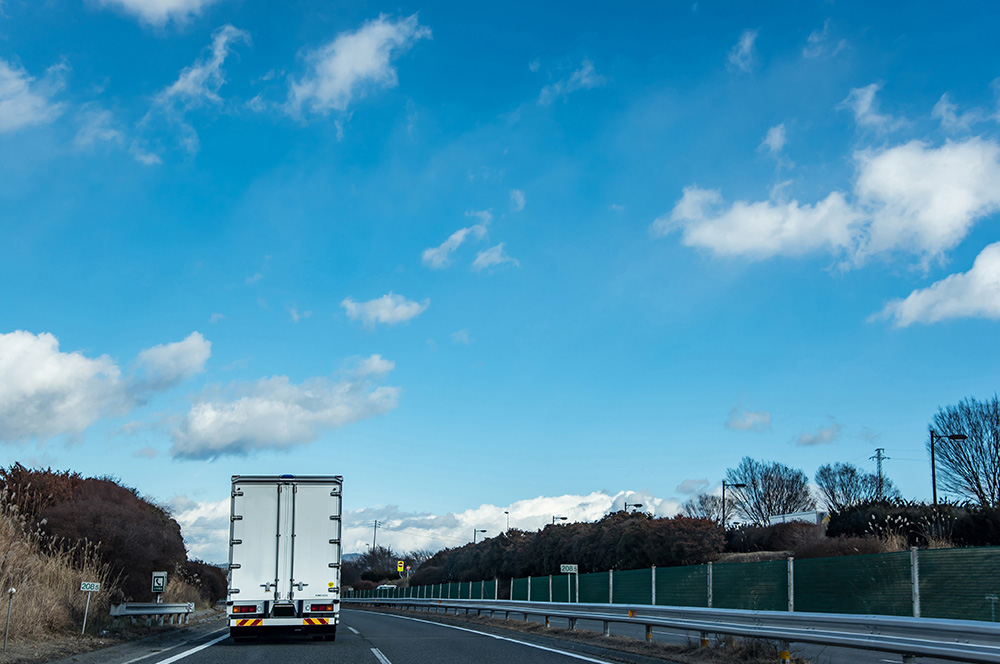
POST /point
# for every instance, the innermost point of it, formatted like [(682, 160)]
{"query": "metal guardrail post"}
[(915, 581)]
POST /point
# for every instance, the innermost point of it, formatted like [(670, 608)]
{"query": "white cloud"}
[(517, 200), (200, 83), (745, 420), (159, 12), (461, 337), (742, 55), (951, 120), (972, 294), (97, 124), (485, 217), (204, 527), (389, 309), (690, 487), (375, 365), (492, 256), (913, 198), (925, 199), (818, 43), (823, 436), (759, 229), (584, 78), (46, 392), (298, 315), (862, 102), (439, 257), (276, 414), (775, 139), (168, 363), (353, 63), (143, 156), (25, 102)]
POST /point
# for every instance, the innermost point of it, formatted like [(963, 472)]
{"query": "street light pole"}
[(955, 437), (627, 505), (507, 512), (731, 485), (474, 533), (558, 518)]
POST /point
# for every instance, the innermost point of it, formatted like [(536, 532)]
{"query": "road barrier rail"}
[(150, 610), (958, 640)]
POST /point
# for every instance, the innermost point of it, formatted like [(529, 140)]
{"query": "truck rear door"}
[(315, 569), (255, 545)]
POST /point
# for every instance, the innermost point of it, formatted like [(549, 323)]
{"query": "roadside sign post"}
[(569, 571), (10, 602), (87, 587), (159, 585)]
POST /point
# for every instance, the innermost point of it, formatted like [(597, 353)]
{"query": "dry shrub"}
[(46, 574), (180, 591), (842, 546)]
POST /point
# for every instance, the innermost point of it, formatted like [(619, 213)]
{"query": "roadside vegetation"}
[(58, 529)]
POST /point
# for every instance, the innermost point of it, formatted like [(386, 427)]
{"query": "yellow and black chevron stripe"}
[(248, 622)]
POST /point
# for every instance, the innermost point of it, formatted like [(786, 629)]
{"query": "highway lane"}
[(362, 638)]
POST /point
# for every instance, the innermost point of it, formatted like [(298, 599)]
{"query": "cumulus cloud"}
[(745, 420), (440, 256), (742, 56), (823, 436), (911, 198), (277, 414), (516, 200), (925, 199), (25, 101), (690, 487), (353, 64), (491, 257), (205, 524), (972, 294), (46, 392), (774, 141), (375, 365), (388, 309), (461, 337), (759, 229), (167, 364), (584, 78), (862, 102), (159, 12)]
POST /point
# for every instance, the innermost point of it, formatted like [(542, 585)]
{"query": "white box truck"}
[(284, 555)]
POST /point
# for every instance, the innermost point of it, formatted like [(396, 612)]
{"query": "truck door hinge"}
[(234, 566), (237, 493), (235, 542), (334, 565), (237, 517), (334, 517)]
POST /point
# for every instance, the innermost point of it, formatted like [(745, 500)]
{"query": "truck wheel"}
[(332, 636)]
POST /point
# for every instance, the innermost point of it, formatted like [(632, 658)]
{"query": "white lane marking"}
[(498, 638), (160, 652), (355, 631), (380, 657), (180, 656)]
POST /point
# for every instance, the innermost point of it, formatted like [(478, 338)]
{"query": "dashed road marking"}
[(355, 631), (380, 657)]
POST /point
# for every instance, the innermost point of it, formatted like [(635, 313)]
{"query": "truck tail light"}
[(322, 607), (245, 609)]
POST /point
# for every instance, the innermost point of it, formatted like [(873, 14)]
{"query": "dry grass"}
[(180, 591), (46, 574)]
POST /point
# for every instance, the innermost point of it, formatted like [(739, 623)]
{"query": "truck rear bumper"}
[(243, 623)]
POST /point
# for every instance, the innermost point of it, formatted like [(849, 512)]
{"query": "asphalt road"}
[(366, 637)]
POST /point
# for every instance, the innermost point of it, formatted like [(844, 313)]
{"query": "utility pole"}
[(374, 532), (879, 457)]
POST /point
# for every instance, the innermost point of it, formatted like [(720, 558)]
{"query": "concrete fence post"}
[(652, 580), (528, 598), (791, 584), (709, 574), (550, 587), (915, 581), (611, 587)]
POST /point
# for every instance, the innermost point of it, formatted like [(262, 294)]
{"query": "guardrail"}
[(959, 640), (149, 610)]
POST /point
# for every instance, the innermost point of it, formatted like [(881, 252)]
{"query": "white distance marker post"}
[(88, 587)]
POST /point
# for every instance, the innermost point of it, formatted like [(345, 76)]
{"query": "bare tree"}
[(771, 488), (969, 467), (844, 485), (703, 506)]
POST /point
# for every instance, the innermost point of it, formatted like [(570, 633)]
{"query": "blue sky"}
[(539, 258)]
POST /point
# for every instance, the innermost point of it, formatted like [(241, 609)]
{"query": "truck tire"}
[(332, 636)]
